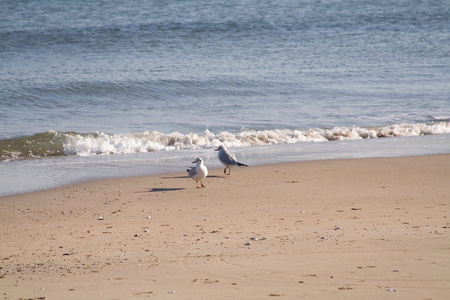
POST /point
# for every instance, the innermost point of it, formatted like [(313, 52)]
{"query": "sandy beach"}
[(336, 229)]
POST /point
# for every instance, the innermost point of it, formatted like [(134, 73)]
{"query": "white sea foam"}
[(91, 144)]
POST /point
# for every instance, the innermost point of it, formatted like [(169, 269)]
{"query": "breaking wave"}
[(55, 143)]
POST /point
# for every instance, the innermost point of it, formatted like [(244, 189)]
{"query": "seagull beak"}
[(194, 162), (217, 149)]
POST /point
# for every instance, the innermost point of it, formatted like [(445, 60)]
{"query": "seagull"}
[(228, 159), (199, 172)]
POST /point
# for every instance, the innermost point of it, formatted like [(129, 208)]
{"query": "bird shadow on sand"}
[(176, 177), (209, 176), (160, 190), (155, 190)]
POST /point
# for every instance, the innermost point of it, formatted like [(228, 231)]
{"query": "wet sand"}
[(334, 229)]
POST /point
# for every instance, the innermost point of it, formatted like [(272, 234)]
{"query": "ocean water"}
[(92, 89)]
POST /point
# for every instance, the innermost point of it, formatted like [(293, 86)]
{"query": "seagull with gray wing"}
[(228, 159), (199, 172)]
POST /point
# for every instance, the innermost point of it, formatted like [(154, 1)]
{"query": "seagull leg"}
[(229, 170), (202, 183), (225, 170)]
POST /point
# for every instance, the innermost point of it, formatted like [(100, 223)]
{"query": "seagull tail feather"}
[(241, 164)]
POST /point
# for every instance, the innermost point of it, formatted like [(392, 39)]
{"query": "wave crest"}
[(54, 143)]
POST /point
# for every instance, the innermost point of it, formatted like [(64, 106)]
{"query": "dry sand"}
[(343, 229)]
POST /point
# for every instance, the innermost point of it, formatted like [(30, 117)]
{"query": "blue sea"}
[(98, 89)]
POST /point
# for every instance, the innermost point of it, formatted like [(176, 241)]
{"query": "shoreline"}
[(35, 175), (346, 228)]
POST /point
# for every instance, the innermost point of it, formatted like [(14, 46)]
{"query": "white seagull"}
[(199, 172), (228, 159)]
